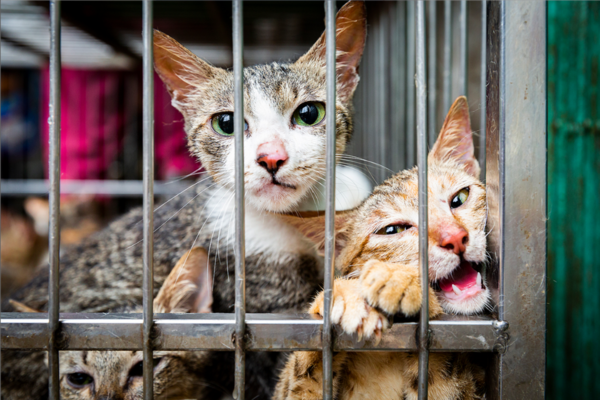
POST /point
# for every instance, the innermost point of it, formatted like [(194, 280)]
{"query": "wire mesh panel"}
[(515, 128)]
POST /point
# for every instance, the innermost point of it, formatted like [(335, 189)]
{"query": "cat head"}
[(385, 226), (284, 109), (118, 374)]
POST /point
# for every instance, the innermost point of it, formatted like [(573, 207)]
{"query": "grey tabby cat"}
[(284, 153)]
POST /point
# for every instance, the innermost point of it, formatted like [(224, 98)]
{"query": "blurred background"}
[(101, 128)]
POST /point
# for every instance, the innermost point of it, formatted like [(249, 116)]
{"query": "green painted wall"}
[(573, 200)]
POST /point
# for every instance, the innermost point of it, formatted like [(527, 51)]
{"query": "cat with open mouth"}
[(378, 256)]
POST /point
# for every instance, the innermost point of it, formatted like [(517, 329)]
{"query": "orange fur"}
[(382, 276)]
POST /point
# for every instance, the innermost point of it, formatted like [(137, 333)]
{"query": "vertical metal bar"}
[(148, 210), (462, 79), (432, 84), (483, 86), (330, 10), (516, 181), (423, 237), (384, 97), (54, 124), (447, 55), (240, 250), (399, 65), (410, 84), (0, 222), (376, 124)]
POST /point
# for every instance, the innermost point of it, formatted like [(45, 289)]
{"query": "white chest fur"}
[(265, 233)]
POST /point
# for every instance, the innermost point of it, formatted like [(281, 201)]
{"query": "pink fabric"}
[(93, 125)]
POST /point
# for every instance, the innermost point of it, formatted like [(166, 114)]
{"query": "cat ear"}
[(188, 288), (351, 32), (312, 225), (455, 141), (181, 70)]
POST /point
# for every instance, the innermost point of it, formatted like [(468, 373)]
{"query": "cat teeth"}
[(479, 278), (456, 290)]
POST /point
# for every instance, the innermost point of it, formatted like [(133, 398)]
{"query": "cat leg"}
[(302, 376), (395, 287), (451, 377), (351, 311)]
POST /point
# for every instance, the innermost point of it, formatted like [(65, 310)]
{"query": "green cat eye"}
[(79, 379), (460, 198), (309, 114), (392, 229), (223, 124)]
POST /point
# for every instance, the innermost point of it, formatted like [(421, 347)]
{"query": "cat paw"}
[(395, 288), (351, 311)]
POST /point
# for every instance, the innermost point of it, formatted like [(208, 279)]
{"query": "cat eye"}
[(460, 198), (309, 114), (392, 229), (79, 379), (223, 124), (138, 369)]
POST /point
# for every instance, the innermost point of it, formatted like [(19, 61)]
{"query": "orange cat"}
[(378, 256)]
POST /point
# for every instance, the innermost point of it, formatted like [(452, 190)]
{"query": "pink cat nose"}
[(271, 156), (454, 240)]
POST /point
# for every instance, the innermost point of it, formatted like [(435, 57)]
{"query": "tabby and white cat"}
[(284, 152), (378, 244)]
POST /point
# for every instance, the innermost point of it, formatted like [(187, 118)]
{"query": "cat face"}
[(284, 109), (118, 374), (385, 226)]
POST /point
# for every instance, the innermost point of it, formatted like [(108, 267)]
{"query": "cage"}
[(412, 67)]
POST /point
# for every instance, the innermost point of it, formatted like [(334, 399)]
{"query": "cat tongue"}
[(463, 277)]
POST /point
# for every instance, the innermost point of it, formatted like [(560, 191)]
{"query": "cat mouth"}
[(463, 283), (282, 184)]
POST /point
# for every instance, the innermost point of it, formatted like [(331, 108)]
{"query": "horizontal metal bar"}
[(265, 332), (128, 188)]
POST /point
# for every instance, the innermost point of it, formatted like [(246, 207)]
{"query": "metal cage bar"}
[(330, 10), (421, 86), (483, 87), (240, 272), (265, 332), (516, 181), (410, 84), (120, 188), (463, 53), (54, 124), (432, 79), (447, 88), (148, 207)]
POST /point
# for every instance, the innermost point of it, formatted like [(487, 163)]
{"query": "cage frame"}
[(515, 135)]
